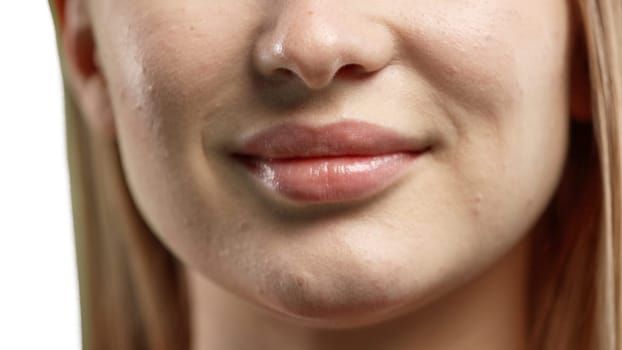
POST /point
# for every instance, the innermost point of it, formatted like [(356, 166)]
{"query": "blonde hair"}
[(132, 291)]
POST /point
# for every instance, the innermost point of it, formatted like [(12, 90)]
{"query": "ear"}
[(83, 73), (580, 86)]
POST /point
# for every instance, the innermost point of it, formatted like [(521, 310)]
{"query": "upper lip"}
[(348, 138)]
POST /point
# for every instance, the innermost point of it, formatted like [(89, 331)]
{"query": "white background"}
[(38, 276)]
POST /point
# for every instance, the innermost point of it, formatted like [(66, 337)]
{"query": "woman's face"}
[(336, 161)]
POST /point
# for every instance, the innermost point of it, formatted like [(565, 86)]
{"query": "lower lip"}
[(330, 179)]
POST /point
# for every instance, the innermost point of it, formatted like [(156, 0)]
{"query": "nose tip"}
[(315, 62), (316, 49)]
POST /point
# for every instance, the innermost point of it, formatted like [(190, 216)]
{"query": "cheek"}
[(499, 74), (484, 54), (179, 66), (168, 74)]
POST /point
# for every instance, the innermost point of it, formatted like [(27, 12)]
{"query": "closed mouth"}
[(339, 162)]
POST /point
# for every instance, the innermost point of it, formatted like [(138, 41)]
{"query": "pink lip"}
[(338, 162)]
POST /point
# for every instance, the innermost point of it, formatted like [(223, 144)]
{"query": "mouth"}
[(338, 162)]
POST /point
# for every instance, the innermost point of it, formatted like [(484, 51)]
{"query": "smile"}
[(339, 162)]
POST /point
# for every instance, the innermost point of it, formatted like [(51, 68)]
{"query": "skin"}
[(443, 252)]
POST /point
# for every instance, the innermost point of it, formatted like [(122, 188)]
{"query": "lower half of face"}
[(333, 195)]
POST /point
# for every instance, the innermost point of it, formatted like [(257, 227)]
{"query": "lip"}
[(338, 162)]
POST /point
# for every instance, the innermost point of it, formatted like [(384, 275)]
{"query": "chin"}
[(338, 313), (337, 300)]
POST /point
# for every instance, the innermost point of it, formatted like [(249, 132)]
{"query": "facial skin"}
[(483, 82)]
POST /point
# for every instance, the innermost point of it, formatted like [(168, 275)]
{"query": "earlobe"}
[(82, 71)]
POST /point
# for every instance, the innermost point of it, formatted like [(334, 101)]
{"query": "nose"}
[(319, 41)]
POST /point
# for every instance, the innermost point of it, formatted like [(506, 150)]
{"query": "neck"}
[(489, 312)]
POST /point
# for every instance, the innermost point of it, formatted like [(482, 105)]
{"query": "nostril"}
[(282, 74), (318, 80), (350, 71)]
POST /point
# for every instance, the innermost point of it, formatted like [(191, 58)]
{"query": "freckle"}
[(300, 282), (243, 226), (479, 198)]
